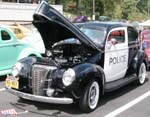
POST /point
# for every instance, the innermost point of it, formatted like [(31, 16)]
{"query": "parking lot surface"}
[(131, 101)]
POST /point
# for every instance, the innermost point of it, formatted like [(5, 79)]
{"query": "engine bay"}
[(69, 52)]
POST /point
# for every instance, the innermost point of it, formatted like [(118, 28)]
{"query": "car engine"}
[(69, 53)]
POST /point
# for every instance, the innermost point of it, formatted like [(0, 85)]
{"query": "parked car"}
[(11, 50), (35, 40), (86, 61), (80, 19), (19, 30), (145, 36)]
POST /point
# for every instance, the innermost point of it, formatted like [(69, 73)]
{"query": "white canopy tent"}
[(11, 12), (146, 23)]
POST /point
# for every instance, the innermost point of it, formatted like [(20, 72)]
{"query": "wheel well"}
[(85, 83), (146, 63), (32, 55), (100, 82)]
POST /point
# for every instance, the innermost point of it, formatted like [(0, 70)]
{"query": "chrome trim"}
[(40, 98), (45, 67)]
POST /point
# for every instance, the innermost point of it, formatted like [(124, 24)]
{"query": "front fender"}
[(27, 65), (86, 72)]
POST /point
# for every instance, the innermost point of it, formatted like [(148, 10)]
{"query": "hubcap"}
[(93, 95), (142, 73)]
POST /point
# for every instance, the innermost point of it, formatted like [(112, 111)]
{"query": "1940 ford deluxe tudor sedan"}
[(83, 61)]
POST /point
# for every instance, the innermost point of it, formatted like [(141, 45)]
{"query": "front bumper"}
[(40, 98)]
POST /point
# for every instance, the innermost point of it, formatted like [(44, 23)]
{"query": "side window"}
[(132, 34), (5, 35), (118, 35)]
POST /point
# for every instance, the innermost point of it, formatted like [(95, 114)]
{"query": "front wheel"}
[(142, 74), (89, 99)]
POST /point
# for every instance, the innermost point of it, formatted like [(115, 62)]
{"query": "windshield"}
[(96, 34)]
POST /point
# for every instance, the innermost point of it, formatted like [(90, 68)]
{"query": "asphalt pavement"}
[(128, 101)]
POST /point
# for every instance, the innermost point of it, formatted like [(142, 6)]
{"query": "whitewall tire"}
[(142, 74), (90, 97)]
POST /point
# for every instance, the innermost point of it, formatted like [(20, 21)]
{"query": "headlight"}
[(16, 68), (68, 77)]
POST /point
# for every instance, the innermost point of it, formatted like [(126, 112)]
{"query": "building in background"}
[(20, 1), (20, 12)]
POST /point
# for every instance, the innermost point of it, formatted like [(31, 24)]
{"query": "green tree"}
[(115, 9), (142, 6), (128, 8), (132, 10), (112, 8)]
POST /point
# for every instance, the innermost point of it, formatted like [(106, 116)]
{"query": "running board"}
[(110, 86)]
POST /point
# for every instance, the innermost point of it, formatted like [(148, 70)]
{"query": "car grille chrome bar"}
[(39, 76)]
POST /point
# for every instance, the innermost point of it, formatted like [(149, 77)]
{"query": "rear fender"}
[(28, 52), (139, 58)]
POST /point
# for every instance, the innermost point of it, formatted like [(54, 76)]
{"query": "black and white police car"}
[(83, 61)]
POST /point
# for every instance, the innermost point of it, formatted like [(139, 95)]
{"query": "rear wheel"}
[(89, 99), (142, 74)]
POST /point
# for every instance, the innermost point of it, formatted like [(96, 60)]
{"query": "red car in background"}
[(145, 35)]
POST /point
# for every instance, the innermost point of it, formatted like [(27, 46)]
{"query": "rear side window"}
[(132, 34), (5, 35)]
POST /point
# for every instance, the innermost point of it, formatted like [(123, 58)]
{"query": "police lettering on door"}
[(117, 60)]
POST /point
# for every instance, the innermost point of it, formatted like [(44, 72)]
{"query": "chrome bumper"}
[(40, 98)]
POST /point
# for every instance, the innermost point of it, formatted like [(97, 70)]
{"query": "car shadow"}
[(119, 92), (55, 110)]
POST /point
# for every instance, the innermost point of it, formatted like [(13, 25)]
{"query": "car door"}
[(133, 47), (132, 43), (8, 49), (116, 54)]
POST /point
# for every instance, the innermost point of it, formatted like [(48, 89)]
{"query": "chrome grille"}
[(39, 74)]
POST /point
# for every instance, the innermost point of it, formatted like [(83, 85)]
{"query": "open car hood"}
[(54, 27)]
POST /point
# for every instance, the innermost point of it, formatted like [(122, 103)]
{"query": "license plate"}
[(12, 82)]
